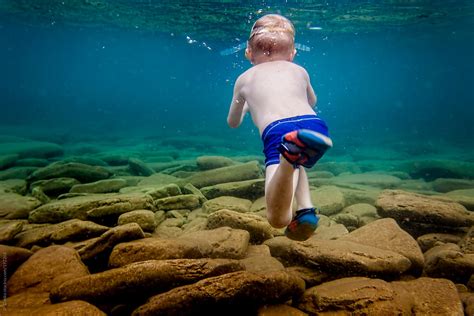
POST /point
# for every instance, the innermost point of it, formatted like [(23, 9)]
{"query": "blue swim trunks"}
[(273, 133)]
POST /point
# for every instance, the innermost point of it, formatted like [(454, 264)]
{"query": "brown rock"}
[(248, 189), (227, 202), (8, 230), (141, 279), (12, 258), (447, 261), (222, 242), (47, 268), (16, 206), (428, 241), (279, 310), (239, 290), (71, 308)]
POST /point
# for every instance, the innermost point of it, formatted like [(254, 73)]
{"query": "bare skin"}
[(275, 88)]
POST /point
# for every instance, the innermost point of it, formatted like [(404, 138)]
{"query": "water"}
[(97, 74)]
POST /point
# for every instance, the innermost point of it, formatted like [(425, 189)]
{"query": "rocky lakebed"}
[(116, 233)]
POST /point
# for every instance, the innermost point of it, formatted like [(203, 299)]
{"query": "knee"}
[(278, 221)]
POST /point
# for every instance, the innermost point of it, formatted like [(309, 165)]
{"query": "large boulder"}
[(386, 234), (258, 227), (412, 207), (249, 189), (141, 279), (91, 207), (422, 296), (16, 206), (339, 257), (241, 172), (81, 172), (46, 269), (222, 242), (243, 291)]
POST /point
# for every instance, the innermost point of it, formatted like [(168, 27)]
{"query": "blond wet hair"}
[(272, 34)]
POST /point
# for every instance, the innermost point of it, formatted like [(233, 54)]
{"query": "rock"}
[(197, 224), (227, 202), (191, 189), (259, 205), (311, 277), (159, 180), (262, 264), (24, 302), (17, 173), (12, 258), (31, 149), (241, 172), (13, 186), (446, 185), (379, 180), (334, 231), (405, 206), (8, 230), (81, 172), (279, 310), (139, 168), (31, 162), (45, 269), (467, 242), (329, 199), (464, 197), (339, 257), (386, 234), (447, 261), (71, 230), (15, 206), (428, 241), (360, 194), (101, 186), (222, 242), (185, 201), (258, 227), (7, 161), (257, 251), (249, 189), (66, 309), (361, 210), (56, 186), (139, 280), (156, 192), (422, 296), (213, 162), (87, 160), (337, 167), (90, 207), (431, 169), (146, 219), (238, 290), (348, 220), (100, 248)]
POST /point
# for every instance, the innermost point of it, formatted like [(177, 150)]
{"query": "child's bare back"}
[(274, 90)]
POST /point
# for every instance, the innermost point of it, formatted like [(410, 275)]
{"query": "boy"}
[(280, 99)]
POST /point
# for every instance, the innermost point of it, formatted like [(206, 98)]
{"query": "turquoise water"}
[(91, 78)]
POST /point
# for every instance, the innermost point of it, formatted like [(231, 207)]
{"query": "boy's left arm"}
[(238, 107)]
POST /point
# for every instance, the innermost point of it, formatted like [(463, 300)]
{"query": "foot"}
[(303, 225), (304, 147)]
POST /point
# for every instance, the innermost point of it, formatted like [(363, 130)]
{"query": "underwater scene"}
[(123, 190)]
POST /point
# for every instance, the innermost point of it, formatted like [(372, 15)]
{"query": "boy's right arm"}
[(238, 107), (310, 92)]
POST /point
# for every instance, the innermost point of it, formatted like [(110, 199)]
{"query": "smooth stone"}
[(334, 231), (66, 308), (262, 264), (360, 194), (467, 242), (464, 197), (16, 206), (197, 224), (156, 192), (227, 202), (55, 186), (337, 167), (279, 310), (379, 180), (249, 189), (145, 218), (90, 207), (213, 162), (45, 269), (31, 149), (412, 207), (87, 160), (191, 189), (258, 227), (13, 186), (17, 173), (445, 185), (222, 242), (140, 168), (12, 258), (341, 257), (386, 234), (246, 171), (447, 261), (7, 161), (431, 169), (81, 172), (8, 230), (329, 199), (243, 289), (185, 201), (159, 179), (428, 241), (101, 186), (138, 280), (31, 162), (102, 246), (70, 230)]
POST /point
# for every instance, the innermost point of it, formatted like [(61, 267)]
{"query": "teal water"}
[(396, 83)]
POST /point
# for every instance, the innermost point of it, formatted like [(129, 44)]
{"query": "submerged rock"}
[(31, 149), (16, 206), (464, 197), (222, 242), (8, 230), (139, 280), (81, 172), (55, 186), (249, 189), (329, 199), (101, 186), (446, 185), (227, 202), (179, 202), (244, 291), (140, 168), (144, 218), (213, 162), (12, 258), (45, 269)]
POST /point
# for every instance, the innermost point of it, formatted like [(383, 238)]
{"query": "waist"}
[(293, 119)]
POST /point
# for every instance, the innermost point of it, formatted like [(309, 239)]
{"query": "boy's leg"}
[(302, 194), (280, 184)]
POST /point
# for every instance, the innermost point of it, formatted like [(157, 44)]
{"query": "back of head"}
[(272, 34)]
